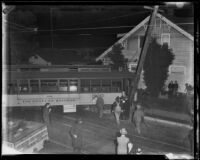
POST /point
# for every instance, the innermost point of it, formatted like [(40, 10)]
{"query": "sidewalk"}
[(168, 117)]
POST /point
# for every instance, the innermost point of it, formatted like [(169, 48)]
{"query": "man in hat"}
[(138, 117), (124, 106), (77, 136), (99, 105), (122, 142), (46, 112)]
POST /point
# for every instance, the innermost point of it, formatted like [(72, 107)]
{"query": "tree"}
[(117, 57), (156, 64)]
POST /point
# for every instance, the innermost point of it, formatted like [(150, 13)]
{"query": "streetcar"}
[(67, 86)]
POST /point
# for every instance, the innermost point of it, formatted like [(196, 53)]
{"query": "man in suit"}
[(77, 136), (99, 105), (46, 112), (124, 106)]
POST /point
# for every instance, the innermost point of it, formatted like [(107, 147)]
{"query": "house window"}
[(175, 69), (165, 28), (124, 44), (132, 67), (165, 38), (140, 41), (158, 23)]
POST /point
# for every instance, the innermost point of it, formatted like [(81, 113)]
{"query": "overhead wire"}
[(93, 28), (16, 25), (106, 19)]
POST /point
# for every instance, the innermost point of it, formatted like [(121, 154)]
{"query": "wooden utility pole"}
[(142, 59)]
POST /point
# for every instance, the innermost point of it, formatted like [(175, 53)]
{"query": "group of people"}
[(123, 146), (173, 88), (120, 109), (188, 89)]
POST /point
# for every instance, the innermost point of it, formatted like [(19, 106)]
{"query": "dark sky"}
[(66, 29), (85, 26)]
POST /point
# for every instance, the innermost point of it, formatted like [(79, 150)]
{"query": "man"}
[(99, 105), (138, 117), (175, 88), (77, 136), (170, 88), (46, 114), (124, 106)]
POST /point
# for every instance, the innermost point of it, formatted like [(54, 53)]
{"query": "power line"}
[(16, 25), (106, 19), (94, 28)]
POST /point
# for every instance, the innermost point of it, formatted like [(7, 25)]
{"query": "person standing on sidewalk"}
[(175, 89), (77, 136), (138, 117), (100, 105), (122, 142), (170, 88), (46, 114)]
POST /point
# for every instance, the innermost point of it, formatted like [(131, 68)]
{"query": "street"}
[(99, 134)]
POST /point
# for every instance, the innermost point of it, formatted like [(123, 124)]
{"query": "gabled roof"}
[(189, 36)]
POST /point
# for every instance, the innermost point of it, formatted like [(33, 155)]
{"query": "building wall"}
[(182, 68)]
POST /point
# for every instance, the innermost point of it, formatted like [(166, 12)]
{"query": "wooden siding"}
[(181, 46)]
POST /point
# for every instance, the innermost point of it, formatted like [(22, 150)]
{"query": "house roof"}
[(169, 22), (60, 57)]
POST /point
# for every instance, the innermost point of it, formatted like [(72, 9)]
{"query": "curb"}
[(168, 122)]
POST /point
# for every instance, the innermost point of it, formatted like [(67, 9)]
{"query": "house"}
[(165, 31), (49, 56), (36, 59)]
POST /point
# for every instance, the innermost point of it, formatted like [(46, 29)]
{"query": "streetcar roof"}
[(55, 75)]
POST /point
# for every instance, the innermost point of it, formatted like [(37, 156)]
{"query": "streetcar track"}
[(141, 137)]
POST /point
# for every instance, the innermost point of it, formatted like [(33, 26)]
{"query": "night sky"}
[(74, 27)]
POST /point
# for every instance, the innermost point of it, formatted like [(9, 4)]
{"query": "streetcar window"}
[(95, 85), (23, 86), (48, 85), (73, 85), (85, 85), (106, 85), (63, 85), (12, 87), (116, 86), (34, 86)]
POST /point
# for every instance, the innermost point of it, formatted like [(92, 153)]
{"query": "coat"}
[(100, 102), (77, 136), (122, 147), (138, 116), (46, 112)]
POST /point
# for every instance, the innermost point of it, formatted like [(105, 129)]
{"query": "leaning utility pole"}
[(142, 59)]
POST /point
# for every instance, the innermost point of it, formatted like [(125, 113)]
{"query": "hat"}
[(123, 131), (117, 98)]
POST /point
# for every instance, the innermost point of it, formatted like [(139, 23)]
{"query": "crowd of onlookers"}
[(120, 109), (174, 86)]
